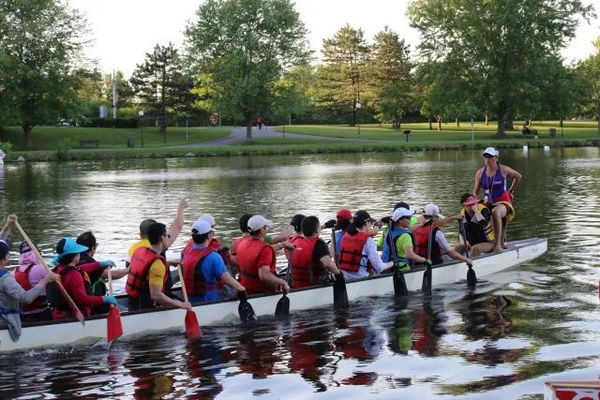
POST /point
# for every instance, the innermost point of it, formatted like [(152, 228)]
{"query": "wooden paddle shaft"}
[(183, 290), (74, 308)]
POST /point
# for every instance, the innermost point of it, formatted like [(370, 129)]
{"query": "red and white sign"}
[(575, 390)]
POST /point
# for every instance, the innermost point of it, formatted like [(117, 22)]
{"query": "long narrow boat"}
[(135, 323)]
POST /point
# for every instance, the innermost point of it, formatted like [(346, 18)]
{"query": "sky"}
[(123, 31)]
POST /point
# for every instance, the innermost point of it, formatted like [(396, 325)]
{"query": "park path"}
[(238, 135)]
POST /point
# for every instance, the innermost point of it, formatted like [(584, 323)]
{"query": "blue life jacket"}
[(386, 254)]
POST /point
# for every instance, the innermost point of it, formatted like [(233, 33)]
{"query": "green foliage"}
[(6, 146), (40, 46), (240, 49), (489, 51), (62, 148), (291, 93)]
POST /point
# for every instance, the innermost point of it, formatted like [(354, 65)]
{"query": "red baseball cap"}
[(344, 215)]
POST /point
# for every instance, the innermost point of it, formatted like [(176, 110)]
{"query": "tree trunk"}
[(248, 128), (430, 124), (561, 121), (487, 119), (439, 122), (27, 132), (500, 118), (457, 123)]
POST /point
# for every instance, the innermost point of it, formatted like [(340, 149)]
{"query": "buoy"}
[(546, 148), (525, 148)]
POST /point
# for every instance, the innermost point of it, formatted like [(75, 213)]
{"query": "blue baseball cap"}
[(72, 247)]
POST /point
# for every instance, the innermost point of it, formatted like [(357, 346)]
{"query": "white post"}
[(114, 94)]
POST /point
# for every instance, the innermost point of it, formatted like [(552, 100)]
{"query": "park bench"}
[(88, 143)]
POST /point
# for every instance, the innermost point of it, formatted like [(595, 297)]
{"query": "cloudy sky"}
[(124, 30)]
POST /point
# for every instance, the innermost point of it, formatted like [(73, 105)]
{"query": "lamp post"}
[(357, 107), (141, 115)]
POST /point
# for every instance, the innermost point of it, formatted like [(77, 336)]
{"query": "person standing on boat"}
[(358, 251), (148, 273), (256, 259), (439, 244), (12, 294), (476, 228), (311, 258), (203, 267), (76, 281), (492, 178), (401, 237)]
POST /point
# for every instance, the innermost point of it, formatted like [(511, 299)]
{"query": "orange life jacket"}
[(421, 236), (248, 252), (137, 279), (305, 272), (351, 251), (195, 281), (22, 278)]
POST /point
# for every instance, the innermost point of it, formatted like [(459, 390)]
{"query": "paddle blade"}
[(340, 294), (192, 327), (426, 287), (114, 329), (471, 277), (400, 289), (245, 309), (282, 310)]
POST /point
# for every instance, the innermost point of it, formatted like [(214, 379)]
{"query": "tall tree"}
[(389, 76), (241, 47), (40, 44), (341, 79), (493, 45), (590, 70), (291, 92), (160, 84), (125, 92)]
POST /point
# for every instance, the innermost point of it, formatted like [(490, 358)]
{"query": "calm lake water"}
[(519, 328)]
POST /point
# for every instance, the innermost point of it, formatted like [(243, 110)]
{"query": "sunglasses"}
[(488, 156)]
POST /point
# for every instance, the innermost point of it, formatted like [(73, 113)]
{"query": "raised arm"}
[(177, 224)]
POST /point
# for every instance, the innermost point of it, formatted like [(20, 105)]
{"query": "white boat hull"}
[(67, 332)]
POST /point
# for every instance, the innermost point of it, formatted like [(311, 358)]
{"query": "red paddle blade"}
[(114, 329), (192, 327)]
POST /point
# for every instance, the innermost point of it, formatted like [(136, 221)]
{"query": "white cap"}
[(257, 222), (491, 151), (202, 226), (208, 218), (432, 210), (402, 212)]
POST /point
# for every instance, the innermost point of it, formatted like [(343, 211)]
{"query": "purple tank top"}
[(496, 185)]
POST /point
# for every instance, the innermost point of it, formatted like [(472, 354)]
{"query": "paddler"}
[(12, 294), (203, 267), (475, 228), (296, 224), (28, 273), (401, 237), (493, 178), (256, 259), (358, 251), (310, 259), (76, 281), (149, 271), (343, 218)]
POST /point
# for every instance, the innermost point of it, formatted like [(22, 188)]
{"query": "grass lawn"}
[(48, 137)]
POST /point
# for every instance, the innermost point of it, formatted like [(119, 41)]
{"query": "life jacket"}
[(390, 240), (292, 239), (421, 237), (305, 271), (351, 251), (248, 252), (54, 295), (137, 279), (99, 287), (475, 232), (195, 281), (22, 278)]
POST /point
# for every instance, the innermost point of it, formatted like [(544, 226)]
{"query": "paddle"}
[(76, 311), (282, 310), (114, 328), (340, 294), (400, 289), (471, 276), (192, 327), (245, 308), (426, 286)]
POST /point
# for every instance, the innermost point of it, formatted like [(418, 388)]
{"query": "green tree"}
[(291, 93), (493, 45), (125, 92), (40, 46), (161, 86), (241, 48), (589, 69), (389, 77), (341, 79)]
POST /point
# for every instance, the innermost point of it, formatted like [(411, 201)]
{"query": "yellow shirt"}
[(156, 275), (137, 245)]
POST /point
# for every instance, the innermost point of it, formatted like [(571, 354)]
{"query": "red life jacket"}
[(351, 251), (137, 279), (292, 239), (421, 236), (55, 297), (305, 272), (248, 252), (22, 278), (195, 281)]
